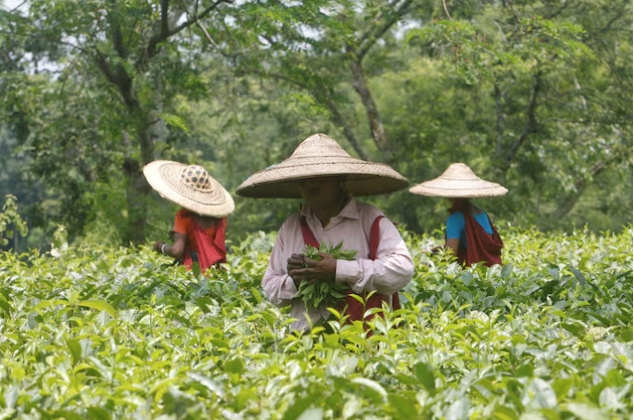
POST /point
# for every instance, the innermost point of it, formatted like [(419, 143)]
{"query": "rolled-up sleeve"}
[(388, 274), (278, 286)]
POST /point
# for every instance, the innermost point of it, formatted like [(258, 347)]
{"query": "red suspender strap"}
[(355, 309), (375, 237), (309, 237), (374, 246)]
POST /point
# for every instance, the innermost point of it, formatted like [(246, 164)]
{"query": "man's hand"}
[(322, 270), (295, 261)]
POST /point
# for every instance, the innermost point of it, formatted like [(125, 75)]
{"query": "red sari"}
[(481, 246), (210, 243)]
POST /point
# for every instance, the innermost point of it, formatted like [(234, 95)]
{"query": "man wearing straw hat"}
[(469, 231), (328, 179), (199, 226)]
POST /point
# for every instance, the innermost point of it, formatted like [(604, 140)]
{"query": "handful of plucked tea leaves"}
[(315, 293)]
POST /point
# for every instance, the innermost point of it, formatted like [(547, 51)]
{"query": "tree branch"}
[(165, 33), (117, 42), (323, 94), (530, 126), (558, 11), (115, 28), (164, 16), (18, 6), (338, 119), (444, 5), (615, 18), (120, 78), (202, 28), (286, 79), (103, 65), (501, 31), (376, 126), (368, 39)]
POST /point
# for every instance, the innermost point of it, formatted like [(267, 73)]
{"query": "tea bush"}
[(94, 332)]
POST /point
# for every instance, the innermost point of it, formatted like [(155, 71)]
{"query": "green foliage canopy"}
[(535, 95)]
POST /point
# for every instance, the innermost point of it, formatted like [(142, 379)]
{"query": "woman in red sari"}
[(470, 233), (200, 224)]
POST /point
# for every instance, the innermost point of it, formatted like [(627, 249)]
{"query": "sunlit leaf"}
[(99, 305), (208, 383), (586, 411), (373, 388)]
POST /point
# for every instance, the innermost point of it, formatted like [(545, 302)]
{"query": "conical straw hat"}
[(189, 186), (320, 155), (458, 181)]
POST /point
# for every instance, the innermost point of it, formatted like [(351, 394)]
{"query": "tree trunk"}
[(137, 187), (376, 126), (137, 190), (337, 119), (531, 126)]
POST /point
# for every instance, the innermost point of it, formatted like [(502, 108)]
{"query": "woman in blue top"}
[(470, 233), (455, 233)]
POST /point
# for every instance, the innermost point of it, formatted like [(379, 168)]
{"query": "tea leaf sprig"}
[(312, 293)]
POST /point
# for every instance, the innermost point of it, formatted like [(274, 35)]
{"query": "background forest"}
[(536, 95)]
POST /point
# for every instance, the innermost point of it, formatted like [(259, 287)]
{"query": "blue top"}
[(456, 226)]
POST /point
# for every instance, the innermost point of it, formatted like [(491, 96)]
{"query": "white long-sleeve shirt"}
[(389, 273)]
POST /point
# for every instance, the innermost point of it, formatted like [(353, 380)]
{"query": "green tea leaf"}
[(234, 366), (75, 349), (403, 408), (425, 374), (100, 305), (300, 406), (99, 413), (5, 306)]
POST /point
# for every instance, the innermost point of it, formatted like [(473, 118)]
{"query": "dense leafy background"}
[(534, 94), (98, 332)]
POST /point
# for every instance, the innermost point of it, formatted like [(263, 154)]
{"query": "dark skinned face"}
[(322, 192)]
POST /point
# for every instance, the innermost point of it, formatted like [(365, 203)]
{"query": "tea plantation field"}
[(100, 333)]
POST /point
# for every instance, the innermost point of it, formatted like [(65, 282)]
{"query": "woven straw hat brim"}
[(361, 180), (320, 156), (450, 191), (165, 178), (458, 181)]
